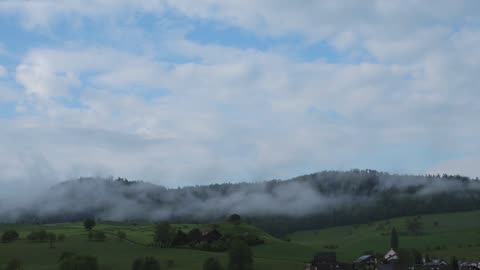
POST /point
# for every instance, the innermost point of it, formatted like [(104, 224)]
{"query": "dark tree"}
[(71, 261), (14, 264), (212, 264), (235, 218), (240, 256), (9, 236), (61, 237), (163, 234), (414, 225), (89, 223), (98, 236), (394, 239), (454, 263), (147, 263), (52, 238), (121, 235)]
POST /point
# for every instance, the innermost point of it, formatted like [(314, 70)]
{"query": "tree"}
[(51, 239), (89, 223), (394, 239), (240, 256), (147, 263), (61, 237), (212, 264), (164, 234), (414, 225), (235, 218), (98, 236), (454, 263), (121, 235), (71, 261), (9, 236), (14, 264)]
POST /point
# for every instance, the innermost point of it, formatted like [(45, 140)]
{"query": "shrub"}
[(61, 237), (40, 235), (14, 264), (71, 261), (9, 236), (147, 263), (212, 264), (99, 236)]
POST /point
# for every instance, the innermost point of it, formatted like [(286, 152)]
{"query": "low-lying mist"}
[(313, 194)]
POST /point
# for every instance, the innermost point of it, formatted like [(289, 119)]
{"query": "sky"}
[(195, 92)]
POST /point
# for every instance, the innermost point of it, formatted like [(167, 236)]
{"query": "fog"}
[(122, 200)]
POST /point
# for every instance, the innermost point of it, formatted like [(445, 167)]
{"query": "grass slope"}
[(444, 235), (114, 254)]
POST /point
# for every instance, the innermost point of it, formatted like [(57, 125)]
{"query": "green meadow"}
[(116, 254), (443, 235)]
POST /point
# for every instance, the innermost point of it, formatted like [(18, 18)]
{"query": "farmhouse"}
[(324, 261), (210, 235), (365, 262)]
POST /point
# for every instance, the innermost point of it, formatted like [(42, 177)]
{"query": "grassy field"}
[(444, 235), (118, 255)]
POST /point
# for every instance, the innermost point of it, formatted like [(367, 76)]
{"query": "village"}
[(392, 260)]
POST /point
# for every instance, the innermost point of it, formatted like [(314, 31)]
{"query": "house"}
[(325, 261), (365, 262), (210, 235), (391, 257)]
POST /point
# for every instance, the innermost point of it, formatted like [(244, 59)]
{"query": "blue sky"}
[(181, 92)]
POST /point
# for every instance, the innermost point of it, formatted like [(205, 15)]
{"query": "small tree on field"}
[(89, 223), (121, 235), (14, 264), (52, 238), (61, 237), (394, 239), (71, 261), (164, 234), (454, 263), (414, 225), (212, 264), (147, 263), (9, 236), (240, 256), (235, 218)]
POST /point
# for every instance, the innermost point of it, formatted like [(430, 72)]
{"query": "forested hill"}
[(317, 200)]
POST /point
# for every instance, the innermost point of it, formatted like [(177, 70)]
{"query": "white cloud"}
[(467, 166), (248, 114), (3, 72)]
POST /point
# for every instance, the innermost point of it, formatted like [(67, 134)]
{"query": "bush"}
[(61, 237), (71, 261), (212, 264), (170, 263), (14, 264), (40, 235), (9, 236), (98, 236), (235, 218), (121, 235), (147, 263)]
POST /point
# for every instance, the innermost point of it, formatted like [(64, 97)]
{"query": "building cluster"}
[(390, 261)]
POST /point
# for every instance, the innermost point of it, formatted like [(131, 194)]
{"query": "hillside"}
[(324, 199), (443, 235), (116, 254)]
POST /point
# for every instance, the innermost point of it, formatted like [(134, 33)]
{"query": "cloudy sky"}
[(183, 92)]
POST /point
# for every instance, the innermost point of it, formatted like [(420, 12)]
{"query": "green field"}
[(454, 234), (118, 255), (444, 235)]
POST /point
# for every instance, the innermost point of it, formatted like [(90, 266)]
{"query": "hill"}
[(443, 235), (115, 254), (324, 199)]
